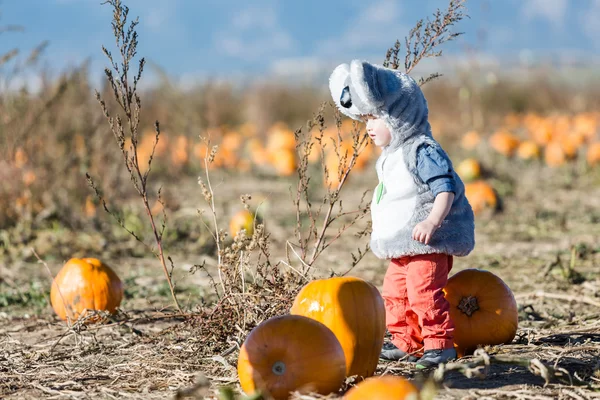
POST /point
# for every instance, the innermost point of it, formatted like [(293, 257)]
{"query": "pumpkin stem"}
[(278, 368), (468, 305)]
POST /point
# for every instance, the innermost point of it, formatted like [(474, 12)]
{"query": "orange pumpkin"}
[(542, 131), (469, 169), (291, 353), (571, 142), (243, 219), (554, 154), (483, 309), (481, 196), (470, 140), (179, 154), (386, 387), (504, 143), (593, 154), (284, 162), (528, 150), (85, 284), (354, 310), (279, 136)]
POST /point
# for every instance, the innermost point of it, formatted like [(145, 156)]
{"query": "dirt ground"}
[(545, 244)]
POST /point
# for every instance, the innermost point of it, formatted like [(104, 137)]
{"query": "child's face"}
[(378, 131)]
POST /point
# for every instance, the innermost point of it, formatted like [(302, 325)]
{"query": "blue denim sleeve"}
[(434, 169)]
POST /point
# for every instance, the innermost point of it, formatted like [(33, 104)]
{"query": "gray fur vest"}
[(362, 88)]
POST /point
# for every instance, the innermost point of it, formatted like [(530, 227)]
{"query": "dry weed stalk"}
[(312, 240), (129, 101), (424, 39)]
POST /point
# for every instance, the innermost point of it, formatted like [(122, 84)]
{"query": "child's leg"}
[(401, 321), (427, 276)]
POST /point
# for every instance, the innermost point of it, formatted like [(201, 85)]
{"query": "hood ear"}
[(338, 81), (366, 85)]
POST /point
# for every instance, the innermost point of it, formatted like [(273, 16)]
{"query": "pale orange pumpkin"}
[(481, 195), (279, 136), (528, 150), (469, 169), (386, 387), (593, 154), (354, 310), (85, 284), (483, 309), (243, 219), (554, 154), (291, 353), (284, 162), (179, 152), (470, 140)]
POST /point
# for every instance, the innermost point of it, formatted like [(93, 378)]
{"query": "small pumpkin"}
[(470, 140), (469, 169), (284, 161), (481, 196), (279, 137), (243, 219), (528, 150), (504, 143), (483, 309), (291, 353), (354, 310), (179, 154), (571, 142), (554, 154), (593, 154), (85, 284), (386, 387)]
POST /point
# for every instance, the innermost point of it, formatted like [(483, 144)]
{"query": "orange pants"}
[(417, 314)]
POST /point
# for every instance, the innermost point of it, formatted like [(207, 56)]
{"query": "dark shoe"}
[(431, 358), (391, 353)]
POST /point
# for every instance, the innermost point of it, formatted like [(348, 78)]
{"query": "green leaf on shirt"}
[(379, 192)]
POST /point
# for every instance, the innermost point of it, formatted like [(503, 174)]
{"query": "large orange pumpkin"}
[(387, 387), (483, 309), (85, 284), (291, 353), (243, 219), (354, 310)]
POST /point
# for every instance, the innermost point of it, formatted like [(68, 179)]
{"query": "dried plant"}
[(250, 287), (425, 38), (311, 238), (126, 96)]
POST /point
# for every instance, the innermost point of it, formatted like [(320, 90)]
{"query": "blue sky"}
[(196, 39)]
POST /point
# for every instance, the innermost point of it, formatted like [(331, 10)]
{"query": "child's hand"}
[(424, 231)]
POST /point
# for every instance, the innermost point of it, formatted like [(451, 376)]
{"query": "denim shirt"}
[(434, 169)]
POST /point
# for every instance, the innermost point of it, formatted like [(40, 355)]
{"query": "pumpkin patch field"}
[(213, 242)]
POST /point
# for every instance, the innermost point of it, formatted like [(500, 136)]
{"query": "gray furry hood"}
[(362, 88)]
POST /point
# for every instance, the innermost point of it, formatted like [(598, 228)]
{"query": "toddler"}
[(421, 217)]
